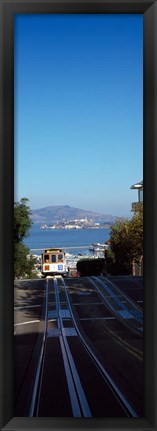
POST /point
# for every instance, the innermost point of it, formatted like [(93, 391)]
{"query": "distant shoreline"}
[(74, 228)]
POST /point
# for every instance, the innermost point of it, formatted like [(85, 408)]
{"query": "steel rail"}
[(129, 410), (37, 383), (129, 300), (77, 396), (110, 291), (138, 330)]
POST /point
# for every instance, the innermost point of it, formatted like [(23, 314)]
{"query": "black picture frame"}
[(8, 8)]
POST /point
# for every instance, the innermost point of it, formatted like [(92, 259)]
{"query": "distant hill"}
[(52, 214)]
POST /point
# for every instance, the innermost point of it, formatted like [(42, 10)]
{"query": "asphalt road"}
[(114, 342), (119, 348)]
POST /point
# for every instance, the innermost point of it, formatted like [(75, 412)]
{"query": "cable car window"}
[(46, 258), (60, 257), (53, 258)]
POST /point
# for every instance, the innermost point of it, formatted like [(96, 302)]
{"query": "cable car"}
[(53, 262)]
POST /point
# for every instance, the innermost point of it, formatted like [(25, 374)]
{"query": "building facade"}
[(139, 188)]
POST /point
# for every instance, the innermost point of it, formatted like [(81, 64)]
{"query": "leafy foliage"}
[(120, 239), (23, 265), (115, 267), (126, 239), (136, 233), (22, 221)]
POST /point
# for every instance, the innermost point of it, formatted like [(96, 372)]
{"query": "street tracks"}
[(70, 380)]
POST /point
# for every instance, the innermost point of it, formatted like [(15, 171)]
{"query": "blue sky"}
[(79, 110)]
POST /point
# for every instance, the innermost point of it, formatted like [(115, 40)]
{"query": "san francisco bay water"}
[(44, 238)]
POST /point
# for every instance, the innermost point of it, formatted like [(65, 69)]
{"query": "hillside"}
[(52, 214)]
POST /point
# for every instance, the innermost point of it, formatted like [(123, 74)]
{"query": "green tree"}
[(23, 262), (126, 239), (22, 221), (114, 265), (136, 233)]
